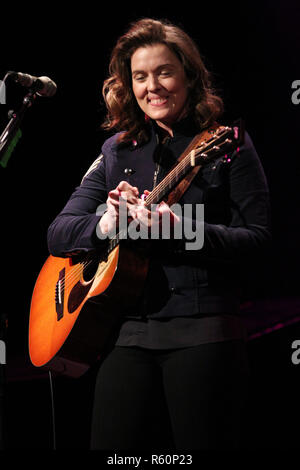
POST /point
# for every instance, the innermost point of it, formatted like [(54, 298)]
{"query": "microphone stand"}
[(3, 334), (12, 132), (8, 140)]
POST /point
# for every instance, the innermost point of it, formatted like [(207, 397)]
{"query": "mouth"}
[(157, 101)]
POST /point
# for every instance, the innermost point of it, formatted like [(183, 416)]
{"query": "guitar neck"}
[(170, 181)]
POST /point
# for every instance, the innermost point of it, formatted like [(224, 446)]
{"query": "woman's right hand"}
[(124, 197)]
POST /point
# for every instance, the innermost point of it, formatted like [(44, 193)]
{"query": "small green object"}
[(10, 148)]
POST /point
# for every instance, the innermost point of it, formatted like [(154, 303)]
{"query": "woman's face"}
[(159, 84)]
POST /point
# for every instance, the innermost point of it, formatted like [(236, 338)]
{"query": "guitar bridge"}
[(60, 294)]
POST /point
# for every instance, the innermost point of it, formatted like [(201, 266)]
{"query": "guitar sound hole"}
[(90, 270)]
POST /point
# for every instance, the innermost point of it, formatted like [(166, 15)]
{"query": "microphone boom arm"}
[(12, 132)]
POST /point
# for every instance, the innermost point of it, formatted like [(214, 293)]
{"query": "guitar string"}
[(72, 276), (183, 165), (75, 274)]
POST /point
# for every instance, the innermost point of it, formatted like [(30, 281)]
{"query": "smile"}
[(157, 101)]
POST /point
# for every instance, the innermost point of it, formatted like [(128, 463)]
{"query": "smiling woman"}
[(175, 62), (176, 372)]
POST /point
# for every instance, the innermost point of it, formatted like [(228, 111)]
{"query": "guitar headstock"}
[(223, 139)]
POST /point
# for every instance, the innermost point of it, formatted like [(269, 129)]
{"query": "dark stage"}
[(252, 48)]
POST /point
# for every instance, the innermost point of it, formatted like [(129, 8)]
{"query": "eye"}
[(165, 73), (139, 77)]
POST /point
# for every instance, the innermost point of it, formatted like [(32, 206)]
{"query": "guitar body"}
[(73, 316)]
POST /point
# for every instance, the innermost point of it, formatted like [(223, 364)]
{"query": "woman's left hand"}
[(154, 219)]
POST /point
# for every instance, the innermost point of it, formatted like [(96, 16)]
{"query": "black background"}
[(252, 49)]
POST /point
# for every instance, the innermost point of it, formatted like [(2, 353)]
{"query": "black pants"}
[(183, 399)]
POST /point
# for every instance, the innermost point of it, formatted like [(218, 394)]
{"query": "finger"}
[(128, 195), (143, 215), (113, 202), (163, 208), (115, 197), (145, 195), (130, 198), (114, 194), (125, 186)]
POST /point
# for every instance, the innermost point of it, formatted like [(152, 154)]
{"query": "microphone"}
[(43, 85)]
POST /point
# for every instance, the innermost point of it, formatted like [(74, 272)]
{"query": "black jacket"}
[(236, 223)]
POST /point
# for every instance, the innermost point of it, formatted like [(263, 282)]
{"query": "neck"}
[(165, 130), (167, 127)]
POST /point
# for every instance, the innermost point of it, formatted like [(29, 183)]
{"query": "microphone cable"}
[(52, 411)]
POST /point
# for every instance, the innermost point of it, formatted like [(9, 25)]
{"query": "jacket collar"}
[(186, 127)]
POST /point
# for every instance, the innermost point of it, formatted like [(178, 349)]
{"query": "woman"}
[(176, 376)]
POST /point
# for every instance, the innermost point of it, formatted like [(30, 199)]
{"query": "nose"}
[(153, 83)]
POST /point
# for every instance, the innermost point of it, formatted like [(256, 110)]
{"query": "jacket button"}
[(174, 290)]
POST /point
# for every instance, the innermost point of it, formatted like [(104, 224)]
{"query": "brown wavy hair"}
[(123, 111)]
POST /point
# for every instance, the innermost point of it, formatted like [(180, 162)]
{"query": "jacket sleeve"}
[(249, 229), (74, 229)]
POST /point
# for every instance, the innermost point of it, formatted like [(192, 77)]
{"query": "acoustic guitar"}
[(77, 302)]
